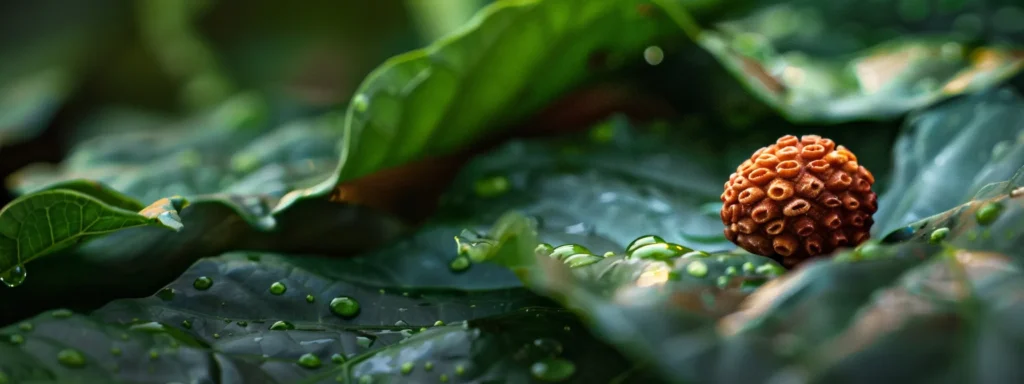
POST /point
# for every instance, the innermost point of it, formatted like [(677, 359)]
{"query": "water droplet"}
[(277, 288), (115, 351), (345, 306), (14, 277), (868, 251), (543, 249), (582, 259), (642, 241), (216, 335), (62, 313), (151, 327), (938, 235), (562, 252), (552, 369), (407, 367), (658, 251), (364, 341), (186, 324), (438, 323), (310, 298), (731, 271), (460, 370), (16, 339), (25, 326), (309, 360), (153, 354), (748, 267), (281, 325), (361, 103), (428, 366), (722, 281), (988, 213), (459, 264), (166, 294), (401, 323), (653, 55), (242, 323), (697, 269), (608, 254), (71, 358), (443, 378), (202, 283), (491, 186), (549, 347), (338, 358), (770, 269)]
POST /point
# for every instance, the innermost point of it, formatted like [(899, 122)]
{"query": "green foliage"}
[(510, 60), (593, 256), (47, 221)]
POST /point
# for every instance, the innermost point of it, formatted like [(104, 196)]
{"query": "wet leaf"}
[(45, 222), (232, 328), (509, 61), (949, 152), (843, 63)]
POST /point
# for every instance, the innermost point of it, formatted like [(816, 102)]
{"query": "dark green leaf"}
[(45, 222), (509, 61), (223, 322), (832, 61), (949, 152)]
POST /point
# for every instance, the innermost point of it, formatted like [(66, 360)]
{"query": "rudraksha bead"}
[(797, 199)]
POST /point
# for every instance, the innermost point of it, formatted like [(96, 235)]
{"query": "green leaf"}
[(45, 222), (508, 61), (232, 327), (843, 63), (947, 153), (29, 102)]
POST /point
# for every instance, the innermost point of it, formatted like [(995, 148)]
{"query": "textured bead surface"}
[(797, 199)]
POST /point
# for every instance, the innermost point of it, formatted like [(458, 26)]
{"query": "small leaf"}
[(45, 222)]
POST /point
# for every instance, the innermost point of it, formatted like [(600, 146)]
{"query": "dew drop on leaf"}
[(242, 323), (563, 252), (166, 294), (658, 251), (16, 339), (459, 264), (543, 249), (693, 254), (202, 283), (25, 326), (748, 267), (360, 102), (186, 324), (71, 358), (344, 306), (642, 241), (153, 354), (428, 366), (492, 186), (938, 235), (582, 259), (697, 269), (988, 213), (61, 313), (310, 298), (309, 360), (460, 370), (653, 55), (338, 358), (115, 351), (407, 367), (281, 325), (14, 277), (552, 369), (277, 288), (438, 323)]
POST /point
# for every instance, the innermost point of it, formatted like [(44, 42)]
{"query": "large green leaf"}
[(255, 317), (510, 60), (48, 221), (832, 61), (949, 152)]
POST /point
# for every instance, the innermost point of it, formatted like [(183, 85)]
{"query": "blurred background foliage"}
[(149, 61)]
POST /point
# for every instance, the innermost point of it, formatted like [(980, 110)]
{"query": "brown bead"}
[(799, 198)]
